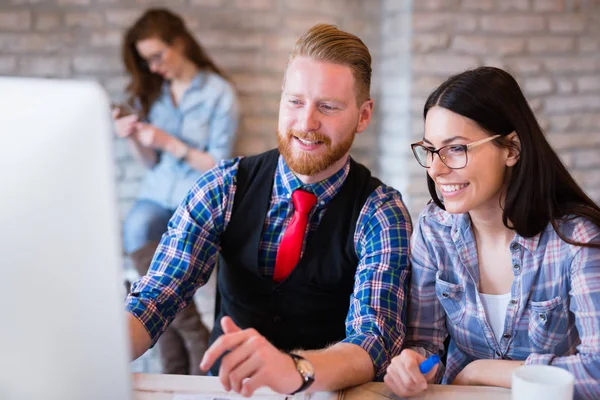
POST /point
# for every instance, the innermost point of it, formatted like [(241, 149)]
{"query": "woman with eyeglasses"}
[(186, 120), (506, 257)]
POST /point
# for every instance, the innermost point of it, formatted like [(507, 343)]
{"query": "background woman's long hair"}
[(164, 25), (540, 189)]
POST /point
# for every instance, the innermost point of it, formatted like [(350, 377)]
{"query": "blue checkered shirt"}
[(554, 313)]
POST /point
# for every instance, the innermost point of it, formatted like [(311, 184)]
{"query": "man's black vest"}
[(308, 309)]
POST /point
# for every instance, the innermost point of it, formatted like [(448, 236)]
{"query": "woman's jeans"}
[(146, 222), (184, 342)]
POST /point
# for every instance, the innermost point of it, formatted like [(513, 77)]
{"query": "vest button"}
[(277, 319)]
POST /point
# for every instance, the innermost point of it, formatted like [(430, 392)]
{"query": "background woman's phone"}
[(125, 109)]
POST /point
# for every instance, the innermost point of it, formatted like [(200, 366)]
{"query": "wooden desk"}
[(174, 387)]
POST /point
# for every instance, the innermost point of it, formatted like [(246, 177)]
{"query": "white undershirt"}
[(495, 306)]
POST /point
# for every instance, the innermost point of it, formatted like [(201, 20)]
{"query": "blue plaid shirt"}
[(554, 313), (187, 255), (206, 119)]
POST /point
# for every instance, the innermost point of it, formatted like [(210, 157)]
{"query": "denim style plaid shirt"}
[(187, 254), (553, 316), (206, 119)]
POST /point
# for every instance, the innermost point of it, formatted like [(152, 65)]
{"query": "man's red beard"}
[(306, 163)]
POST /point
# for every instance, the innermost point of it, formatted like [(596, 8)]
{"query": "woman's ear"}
[(514, 149)]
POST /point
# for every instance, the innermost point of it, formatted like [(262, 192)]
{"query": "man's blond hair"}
[(324, 42)]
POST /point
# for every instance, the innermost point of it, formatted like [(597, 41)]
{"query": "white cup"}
[(542, 382)]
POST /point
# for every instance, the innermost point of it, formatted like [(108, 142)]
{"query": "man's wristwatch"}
[(306, 370)]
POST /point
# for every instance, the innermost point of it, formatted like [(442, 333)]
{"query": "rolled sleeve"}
[(186, 255), (375, 346), (540, 359), (377, 316), (147, 313)]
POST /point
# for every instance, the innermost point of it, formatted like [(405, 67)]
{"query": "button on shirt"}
[(553, 316), (206, 119), (187, 254)]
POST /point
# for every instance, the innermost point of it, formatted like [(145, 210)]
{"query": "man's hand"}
[(252, 362)]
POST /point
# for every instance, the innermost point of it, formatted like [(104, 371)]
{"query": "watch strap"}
[(307, 378)]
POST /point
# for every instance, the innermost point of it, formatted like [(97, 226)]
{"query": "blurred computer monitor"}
[(62, 325)]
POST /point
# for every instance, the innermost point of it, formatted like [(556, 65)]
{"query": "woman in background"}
[(186, 123), (506, 263)]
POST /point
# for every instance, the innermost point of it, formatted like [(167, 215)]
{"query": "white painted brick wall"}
[(551, 46)]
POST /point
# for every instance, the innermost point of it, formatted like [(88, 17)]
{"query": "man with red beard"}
[(313, 250)]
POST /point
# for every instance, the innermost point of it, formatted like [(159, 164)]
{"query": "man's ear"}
[(364, 115), (514, 149)]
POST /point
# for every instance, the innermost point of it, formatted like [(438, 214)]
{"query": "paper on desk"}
[(221, 397), (299, 396)]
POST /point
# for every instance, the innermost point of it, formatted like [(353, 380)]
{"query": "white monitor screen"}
[(62, 330)]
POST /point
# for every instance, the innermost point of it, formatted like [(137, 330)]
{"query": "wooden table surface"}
[(183, 387)]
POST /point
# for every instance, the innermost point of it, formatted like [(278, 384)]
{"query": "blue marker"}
[(428, 364)]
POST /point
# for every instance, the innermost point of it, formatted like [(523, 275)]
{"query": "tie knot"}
[(303, 200)]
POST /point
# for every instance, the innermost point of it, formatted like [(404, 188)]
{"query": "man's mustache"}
[(310, 136)]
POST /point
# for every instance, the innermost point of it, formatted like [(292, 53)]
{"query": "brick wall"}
[(551, 46)]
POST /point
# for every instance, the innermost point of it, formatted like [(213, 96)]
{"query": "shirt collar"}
[(325, 190), (197, 83), (462, 222), (531, 243)]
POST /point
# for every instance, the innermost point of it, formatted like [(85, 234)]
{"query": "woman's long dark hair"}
[(540, 189), (162, 24)]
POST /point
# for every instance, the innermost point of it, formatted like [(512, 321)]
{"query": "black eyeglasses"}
[(454, 156)]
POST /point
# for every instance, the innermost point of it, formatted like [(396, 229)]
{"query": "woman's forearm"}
[(146, 155), (199, 160), (488, 373)]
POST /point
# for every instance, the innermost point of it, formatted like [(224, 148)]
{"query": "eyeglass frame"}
[(465, 148), (157, 58)]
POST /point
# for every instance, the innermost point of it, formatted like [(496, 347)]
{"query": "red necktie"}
[(290, 247)]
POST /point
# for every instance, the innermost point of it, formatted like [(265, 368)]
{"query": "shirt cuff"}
[(544, 359), (376, 349), (148, 315)]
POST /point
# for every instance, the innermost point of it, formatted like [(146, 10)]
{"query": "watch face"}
[(306, 367)]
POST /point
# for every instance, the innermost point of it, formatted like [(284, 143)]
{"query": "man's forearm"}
[(340, 366), (139, 338)]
